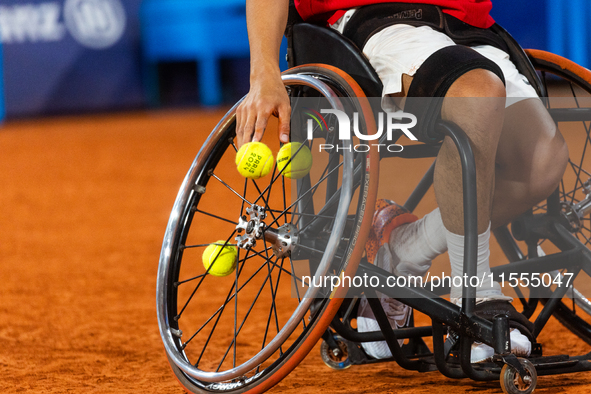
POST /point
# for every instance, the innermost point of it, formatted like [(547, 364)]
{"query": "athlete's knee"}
[(549, 166), (454, 71), (538, 166), (476, 102), (478, 83)]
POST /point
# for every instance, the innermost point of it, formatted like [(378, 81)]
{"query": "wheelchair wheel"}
[(571, 84), (246, 331), (513, 383), (338, 359)]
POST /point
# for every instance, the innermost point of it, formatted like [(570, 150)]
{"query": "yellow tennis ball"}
[(301, 161), (221, 258), (254, 160)]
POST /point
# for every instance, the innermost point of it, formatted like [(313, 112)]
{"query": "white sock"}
[(415, 244), (488, 289)]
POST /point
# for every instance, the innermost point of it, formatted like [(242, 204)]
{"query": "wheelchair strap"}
[(370, 19)]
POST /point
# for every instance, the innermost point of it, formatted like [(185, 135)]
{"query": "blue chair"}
[(186, 30)]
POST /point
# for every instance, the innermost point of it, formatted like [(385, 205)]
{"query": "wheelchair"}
[(247, 331)]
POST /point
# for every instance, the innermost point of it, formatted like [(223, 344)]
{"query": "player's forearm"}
[(266, 24)]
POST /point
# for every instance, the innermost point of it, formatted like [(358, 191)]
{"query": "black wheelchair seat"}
[(309, 43)]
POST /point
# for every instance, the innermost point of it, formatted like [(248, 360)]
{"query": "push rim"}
[(179, 218)]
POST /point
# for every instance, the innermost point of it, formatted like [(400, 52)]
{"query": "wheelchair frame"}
[(462, 320)]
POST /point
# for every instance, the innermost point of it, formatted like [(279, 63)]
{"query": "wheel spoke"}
[(235, 311), (178, 316), (273, 309), (274, 295), (284, 199), (230, 299), (245, 318), (322, 176), (217, 217), (311, 189), (231, 189), (274, 178), (216, 321)]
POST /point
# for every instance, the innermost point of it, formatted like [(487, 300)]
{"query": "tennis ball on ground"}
[(221, 258), (254, 160), (301, 160)]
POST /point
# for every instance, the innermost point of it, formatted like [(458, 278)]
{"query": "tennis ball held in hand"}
[(222, 259), (254, 160), (301, 160)]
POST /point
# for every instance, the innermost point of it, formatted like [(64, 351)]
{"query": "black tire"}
[(563, 78)]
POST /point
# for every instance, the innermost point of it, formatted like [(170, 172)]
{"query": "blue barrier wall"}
[(84, 55), (70, 55), (558, 26), (524, 20), (569, 29)]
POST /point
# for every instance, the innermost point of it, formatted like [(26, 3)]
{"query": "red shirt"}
[(472, 12)]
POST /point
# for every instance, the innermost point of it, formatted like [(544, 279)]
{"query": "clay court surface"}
[(84, 203)]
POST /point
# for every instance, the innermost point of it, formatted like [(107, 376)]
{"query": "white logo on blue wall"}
[(96, 24), (31, 23)]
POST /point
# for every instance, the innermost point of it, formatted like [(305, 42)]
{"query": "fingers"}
[(284, 114), (252, 115), (251, 123), (260, 126), (244, 124), (239, 125)]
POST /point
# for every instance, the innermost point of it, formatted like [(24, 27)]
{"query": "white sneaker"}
[(520, 346), (397, 312), (398, 316)]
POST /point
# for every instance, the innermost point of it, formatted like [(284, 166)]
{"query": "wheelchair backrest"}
[(316, 44), (308, 43)]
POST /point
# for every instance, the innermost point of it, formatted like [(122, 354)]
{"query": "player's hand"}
[(267, 97)]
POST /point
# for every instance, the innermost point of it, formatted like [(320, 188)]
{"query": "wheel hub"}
[(282, 240), (285, 241), (252, 228), (575, 212)]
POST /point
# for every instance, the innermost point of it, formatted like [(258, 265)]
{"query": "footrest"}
[(548, 362)]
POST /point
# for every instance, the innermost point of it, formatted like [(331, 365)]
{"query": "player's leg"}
[(479, 112), (531, 158), (476, 103), (532, 154), (481, 119)]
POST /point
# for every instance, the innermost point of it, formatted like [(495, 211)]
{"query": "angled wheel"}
[(245, 331), (337, 358), (513, 383), (568, 87)]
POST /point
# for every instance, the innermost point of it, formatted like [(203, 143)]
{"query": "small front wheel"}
[(513, 383), (335, 358)]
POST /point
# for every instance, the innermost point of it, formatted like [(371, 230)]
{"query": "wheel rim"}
[(577, 178), (167, 293)]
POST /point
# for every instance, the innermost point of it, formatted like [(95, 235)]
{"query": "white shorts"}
[(401, 49)]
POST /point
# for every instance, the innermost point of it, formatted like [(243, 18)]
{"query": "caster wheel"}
[(513, 383), (337, 358)]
